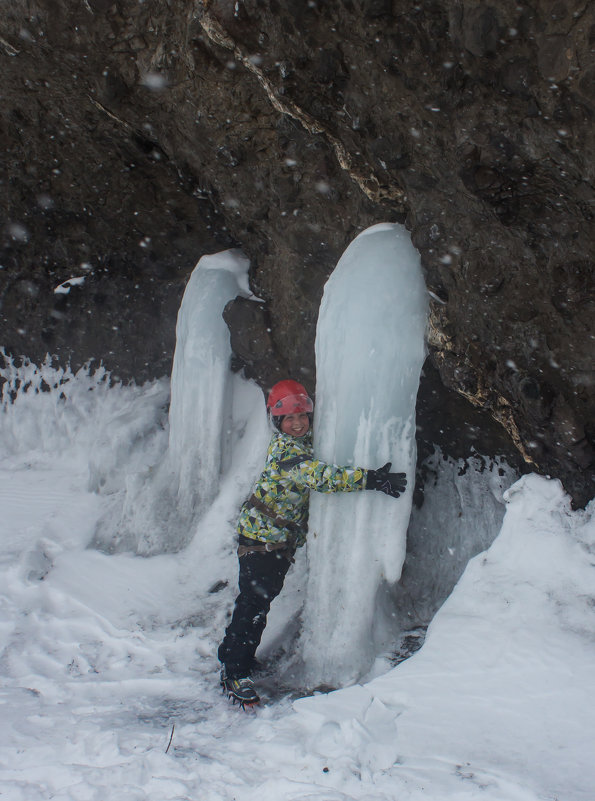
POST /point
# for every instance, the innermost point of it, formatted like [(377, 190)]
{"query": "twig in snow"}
[(171, 736)]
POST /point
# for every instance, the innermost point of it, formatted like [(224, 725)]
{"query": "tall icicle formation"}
[(159, 512), (369, 353), (200, 411)]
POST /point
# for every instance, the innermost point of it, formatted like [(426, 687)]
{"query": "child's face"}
[(295, 424)]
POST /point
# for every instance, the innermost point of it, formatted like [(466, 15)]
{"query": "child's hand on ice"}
[(392, 484)]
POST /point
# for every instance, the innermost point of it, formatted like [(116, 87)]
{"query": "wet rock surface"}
[(137, 137)]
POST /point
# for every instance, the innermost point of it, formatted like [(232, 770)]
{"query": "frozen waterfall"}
[(200, 410), (369, 353), (158, 511)]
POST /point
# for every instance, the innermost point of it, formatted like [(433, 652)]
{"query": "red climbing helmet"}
[(289, 397)]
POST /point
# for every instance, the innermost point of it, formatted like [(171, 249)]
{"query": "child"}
[(273, 523)]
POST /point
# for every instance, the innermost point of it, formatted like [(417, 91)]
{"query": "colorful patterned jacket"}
[(284, 487)]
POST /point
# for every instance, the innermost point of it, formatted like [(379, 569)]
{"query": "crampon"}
[(240, 691)]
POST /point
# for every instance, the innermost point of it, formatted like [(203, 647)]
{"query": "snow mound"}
[(109, 674)]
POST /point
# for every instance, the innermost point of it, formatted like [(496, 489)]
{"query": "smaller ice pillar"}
[(369, 353), (201, 392), (159, 510)]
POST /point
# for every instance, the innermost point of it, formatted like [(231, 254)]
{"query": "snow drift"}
[(109, 674)]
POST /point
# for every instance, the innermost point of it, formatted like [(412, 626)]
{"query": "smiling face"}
[(295, 424)]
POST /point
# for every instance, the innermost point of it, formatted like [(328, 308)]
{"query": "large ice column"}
[(369, 353), (201, 393)]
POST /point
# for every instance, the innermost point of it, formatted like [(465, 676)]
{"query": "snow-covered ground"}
[(109, 677)]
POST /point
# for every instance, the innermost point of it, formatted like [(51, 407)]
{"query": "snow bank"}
[(497, 703), (109, 673), (48, 412)]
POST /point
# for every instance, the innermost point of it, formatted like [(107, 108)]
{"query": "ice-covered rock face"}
[(286, 128), (369, 353)]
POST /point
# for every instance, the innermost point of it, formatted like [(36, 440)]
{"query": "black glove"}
[(392, 484)]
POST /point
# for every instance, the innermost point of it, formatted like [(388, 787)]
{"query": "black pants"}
[(261, 580)]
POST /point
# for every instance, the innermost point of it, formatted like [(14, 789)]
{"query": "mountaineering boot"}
[(240, 690)]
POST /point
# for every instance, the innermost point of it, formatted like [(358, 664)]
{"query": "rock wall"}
[(138, 136)]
